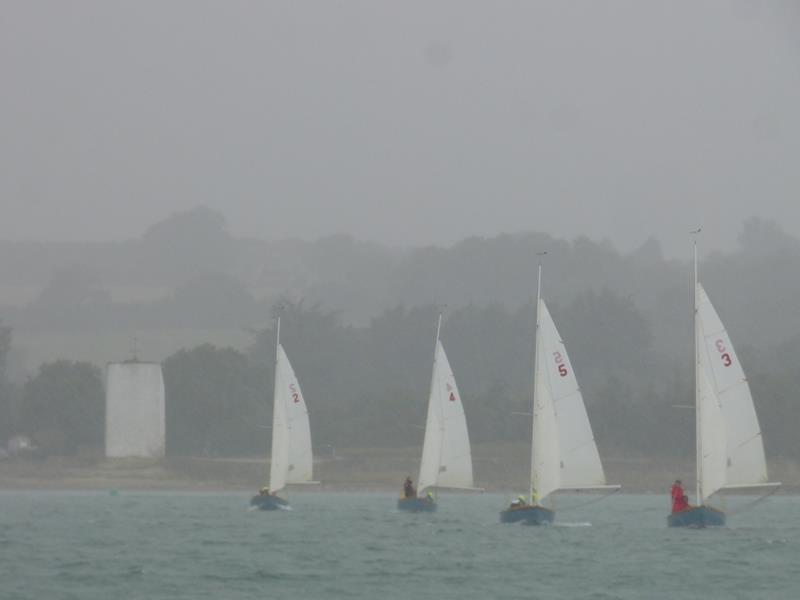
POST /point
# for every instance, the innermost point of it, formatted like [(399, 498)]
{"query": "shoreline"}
[(498, 469)]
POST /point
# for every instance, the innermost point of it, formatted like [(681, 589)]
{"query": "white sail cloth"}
[(565, 455), (731, 445), (446, 458), (292, 458)]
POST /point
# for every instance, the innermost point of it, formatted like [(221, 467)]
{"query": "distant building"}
[(135, 421), (20, 444)]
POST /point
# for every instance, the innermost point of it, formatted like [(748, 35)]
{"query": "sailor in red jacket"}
[(679, 500)]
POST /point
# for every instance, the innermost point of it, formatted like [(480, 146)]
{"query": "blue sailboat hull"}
[(527, 515), (268, 502), (416, 505), (697, 517)]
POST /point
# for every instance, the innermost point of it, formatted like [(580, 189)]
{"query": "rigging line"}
[(758, 500), (591, 501)]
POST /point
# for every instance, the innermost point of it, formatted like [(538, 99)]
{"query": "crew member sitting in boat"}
[(264, 491), (429, 496), (680, 501), (518, 502), (408, 488)]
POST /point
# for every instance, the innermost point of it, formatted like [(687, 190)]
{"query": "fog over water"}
[(182, 172), (402, 123)]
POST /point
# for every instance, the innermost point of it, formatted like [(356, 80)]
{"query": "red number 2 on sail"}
[(295, 394)]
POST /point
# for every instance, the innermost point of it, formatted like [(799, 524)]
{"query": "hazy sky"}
[(404, 122)]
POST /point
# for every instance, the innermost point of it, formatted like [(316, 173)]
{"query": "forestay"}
[(565, 455), (446, 459), (291, 434), (732, 448)]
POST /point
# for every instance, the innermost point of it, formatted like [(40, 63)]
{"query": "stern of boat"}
[(263, 502), (697, 517), (416, 505), (527, 515)]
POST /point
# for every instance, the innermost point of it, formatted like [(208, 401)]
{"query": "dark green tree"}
[(7, 409), (63, 407), (217, 402)]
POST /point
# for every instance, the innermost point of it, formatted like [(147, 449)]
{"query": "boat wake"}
[(581, 524)]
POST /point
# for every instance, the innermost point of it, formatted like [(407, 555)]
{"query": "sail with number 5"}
[(564, 452), (564, 455)]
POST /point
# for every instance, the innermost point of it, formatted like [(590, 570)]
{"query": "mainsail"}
[(291, 433), (730, 446), (446, 458), (564, 453)]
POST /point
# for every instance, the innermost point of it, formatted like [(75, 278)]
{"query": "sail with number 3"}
[(729, 445)]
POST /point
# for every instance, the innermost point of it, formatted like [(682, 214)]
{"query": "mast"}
[(275, 393), (431, 408), (697, 408), (275, 371), (438, 331), (430, 395), (536, 374)]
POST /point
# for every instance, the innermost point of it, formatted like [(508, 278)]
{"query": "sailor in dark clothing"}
[(408, 488)]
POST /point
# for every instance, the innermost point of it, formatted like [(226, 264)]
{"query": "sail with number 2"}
[(291, 433), (292, 457)]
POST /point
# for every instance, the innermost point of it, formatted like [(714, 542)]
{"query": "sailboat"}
[(446, 458), (729, 446), (564, 455), (292, 458)]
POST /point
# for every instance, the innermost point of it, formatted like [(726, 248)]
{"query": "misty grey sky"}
[(404, 122)]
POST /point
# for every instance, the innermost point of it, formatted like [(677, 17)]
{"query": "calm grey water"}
[(60, 545)]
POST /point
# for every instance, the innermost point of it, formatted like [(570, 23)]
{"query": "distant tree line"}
[(62, 408), (361, 341), (367, 386)]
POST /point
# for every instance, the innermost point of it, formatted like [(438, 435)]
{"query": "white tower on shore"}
[(135, 421)]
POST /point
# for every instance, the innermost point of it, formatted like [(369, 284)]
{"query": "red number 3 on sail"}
[(727, 361)]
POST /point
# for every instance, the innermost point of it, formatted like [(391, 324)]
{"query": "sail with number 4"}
[(730, 447), (291, 434), (564, 453), (446, 458)]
